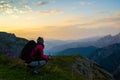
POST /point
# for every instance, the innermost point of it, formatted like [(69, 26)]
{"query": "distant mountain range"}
[(83, 51), (51, 45), (99, 43), (109, 58), (56, 46)]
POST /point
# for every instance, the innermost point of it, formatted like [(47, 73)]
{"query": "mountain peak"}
[(118, 35), (108, 36)]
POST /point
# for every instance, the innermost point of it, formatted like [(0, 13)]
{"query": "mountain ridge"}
[(108, 57), (101, 42), (83, 51), (10, 44)]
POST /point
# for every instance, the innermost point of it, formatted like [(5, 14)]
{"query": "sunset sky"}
[(60, 19)]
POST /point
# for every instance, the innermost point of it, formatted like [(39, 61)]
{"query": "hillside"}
[(61, 68), (10, 44), (109, 58)]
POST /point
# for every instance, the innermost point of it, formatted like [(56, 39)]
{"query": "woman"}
[(38, 57)]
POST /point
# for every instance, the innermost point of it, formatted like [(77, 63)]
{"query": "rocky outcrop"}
[(90, 70), (10, 44)]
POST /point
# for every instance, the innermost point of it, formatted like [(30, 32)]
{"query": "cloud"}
[(112, 20), (53, 1), (85, 3), (4, 5), (8, 7), (101, 12), (28, 8), (50, 12), (65, 33), (4, 2), (1, 7), (40, 3), (22, 7)]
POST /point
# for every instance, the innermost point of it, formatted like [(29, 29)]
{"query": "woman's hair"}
[(40, 40)]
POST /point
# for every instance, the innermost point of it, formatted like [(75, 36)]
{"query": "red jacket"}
[(40, 50)]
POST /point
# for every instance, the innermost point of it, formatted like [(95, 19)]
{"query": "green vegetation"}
[(57, 69)]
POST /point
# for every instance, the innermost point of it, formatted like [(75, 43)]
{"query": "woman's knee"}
[(42, 62)]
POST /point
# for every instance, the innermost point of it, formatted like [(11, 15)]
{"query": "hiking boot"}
[(35, 72)]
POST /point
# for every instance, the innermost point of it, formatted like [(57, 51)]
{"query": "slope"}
[(61, 68), (11, 44), (109, 58)]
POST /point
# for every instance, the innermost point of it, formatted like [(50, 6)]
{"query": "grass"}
[(57, 69)]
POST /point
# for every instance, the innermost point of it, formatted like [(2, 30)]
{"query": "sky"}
[(60, 19)]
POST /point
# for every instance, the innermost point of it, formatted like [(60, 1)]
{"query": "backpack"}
[(25, 53)]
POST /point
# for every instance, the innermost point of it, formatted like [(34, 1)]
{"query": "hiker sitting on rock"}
[(36, 57)]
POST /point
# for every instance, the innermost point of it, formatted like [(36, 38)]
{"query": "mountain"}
[(53, 43), (10, 44), (109, 58), (59, 48), (83, 51), (60, 68), (99, 42), (108, 40), (88, 39)]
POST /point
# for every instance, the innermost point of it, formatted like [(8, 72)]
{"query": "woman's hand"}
[(50, 57)]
